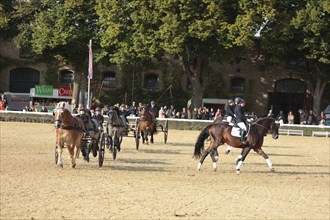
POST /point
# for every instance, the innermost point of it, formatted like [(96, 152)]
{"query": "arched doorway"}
[(289, 95), (22, 79)]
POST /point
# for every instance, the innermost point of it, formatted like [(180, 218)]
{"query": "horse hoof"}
[(272, 169), (73, 166), (238, 172), (199, 166), (60, 165), (216, 158)]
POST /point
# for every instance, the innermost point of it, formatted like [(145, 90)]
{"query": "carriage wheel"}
[(114, 151), (166, 132), (137, 136), (102, 146), (56, 154)]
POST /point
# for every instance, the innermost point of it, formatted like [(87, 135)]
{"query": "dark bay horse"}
[(69, 133), (220, 133), (147, 125), (115, 129)]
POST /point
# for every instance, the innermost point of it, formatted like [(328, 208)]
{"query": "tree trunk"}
[(195, 73), (317, 96), (76, 88)]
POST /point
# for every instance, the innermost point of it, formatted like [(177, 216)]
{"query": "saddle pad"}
[(235, 131)]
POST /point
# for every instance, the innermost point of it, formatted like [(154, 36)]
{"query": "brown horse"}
[(221, 133), (147, 125), (69, 133)]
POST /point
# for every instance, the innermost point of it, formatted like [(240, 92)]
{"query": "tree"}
[(196, 31), (300, 30), (313, 23), (59, 30)]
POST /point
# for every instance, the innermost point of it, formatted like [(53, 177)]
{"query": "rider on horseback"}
[(240, 117), (230, 111)]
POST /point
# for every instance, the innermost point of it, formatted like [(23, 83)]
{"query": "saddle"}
[(236, 131)]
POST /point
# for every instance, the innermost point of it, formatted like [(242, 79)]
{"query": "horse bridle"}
[(268, 129)]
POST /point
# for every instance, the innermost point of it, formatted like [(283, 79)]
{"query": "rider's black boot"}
[(242, 137)]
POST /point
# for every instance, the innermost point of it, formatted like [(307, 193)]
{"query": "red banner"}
[(64, 91)]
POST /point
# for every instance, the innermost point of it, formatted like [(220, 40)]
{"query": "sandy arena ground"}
[(160, 181)]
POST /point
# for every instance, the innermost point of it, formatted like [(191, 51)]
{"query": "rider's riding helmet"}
[(237, 100), (230, 101)]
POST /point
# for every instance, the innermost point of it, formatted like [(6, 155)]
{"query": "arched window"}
[(109, 79), (66, 77), (237, 84), (290, 86), (151, 81), (22, 79)]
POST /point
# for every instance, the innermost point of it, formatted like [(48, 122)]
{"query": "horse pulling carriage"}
[(146, 126), (73, 134)]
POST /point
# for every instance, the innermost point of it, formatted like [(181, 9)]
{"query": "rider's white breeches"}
[(229, 118), (242, 125)]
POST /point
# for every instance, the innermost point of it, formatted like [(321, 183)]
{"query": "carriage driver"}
[(230, 111), (240, 117)]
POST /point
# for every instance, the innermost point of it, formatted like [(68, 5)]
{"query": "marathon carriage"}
[(73, 134), (146, 126)]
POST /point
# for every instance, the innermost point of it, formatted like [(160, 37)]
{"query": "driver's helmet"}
[(238, 100), (242, 101), (98, 109), (152, 102), (230, 101)]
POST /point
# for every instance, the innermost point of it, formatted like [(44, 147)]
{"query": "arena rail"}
[(173, 123)]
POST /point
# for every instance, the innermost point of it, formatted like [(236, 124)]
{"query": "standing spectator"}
[(302, 117), (280, 117), (218, 115), (43, 109), (194, 114), (184, 113), (311, 118), (162, 113), (321, 118), (172, 112), (133, 109), (3, 103), (212, 114), (290, 117)]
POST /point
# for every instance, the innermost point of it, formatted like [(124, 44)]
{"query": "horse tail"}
[(199, 146)]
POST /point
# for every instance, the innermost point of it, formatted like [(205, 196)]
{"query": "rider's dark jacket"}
[(230, 110), (240, 116)]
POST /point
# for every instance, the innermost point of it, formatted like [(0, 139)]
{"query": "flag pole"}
[(90, 72)]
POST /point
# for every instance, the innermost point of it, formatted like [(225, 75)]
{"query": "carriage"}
[(89, 145), (138, 128), (72, 133)]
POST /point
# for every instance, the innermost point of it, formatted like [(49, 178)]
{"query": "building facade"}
[(263, 87)]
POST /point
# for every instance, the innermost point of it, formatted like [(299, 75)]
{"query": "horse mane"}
[(263, 118), (64, 105)]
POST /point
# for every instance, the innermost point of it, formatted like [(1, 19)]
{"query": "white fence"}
[(174, 123)]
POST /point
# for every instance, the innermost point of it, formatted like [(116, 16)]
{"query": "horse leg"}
[(228, 149), (60, 151), (213, 152), (72, 155), (146, 133), (151, 137), (264, 155), (245, 152), (206, 152), (239, 157)]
